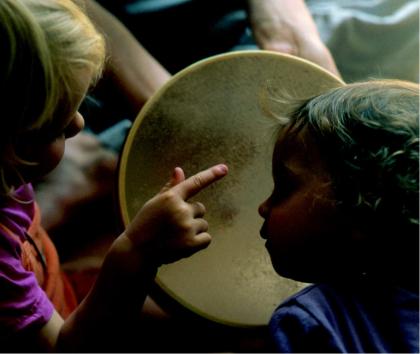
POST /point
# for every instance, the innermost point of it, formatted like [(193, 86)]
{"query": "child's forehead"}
[(291, 144), (297, 150)]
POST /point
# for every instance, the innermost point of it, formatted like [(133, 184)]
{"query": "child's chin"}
[(304, 273), (37, 173)]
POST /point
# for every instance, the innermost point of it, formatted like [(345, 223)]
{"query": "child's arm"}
[(166, 229)]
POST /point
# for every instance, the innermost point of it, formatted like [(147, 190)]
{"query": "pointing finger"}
[(199, 181)]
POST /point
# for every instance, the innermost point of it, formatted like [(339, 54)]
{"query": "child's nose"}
[(263, 208), (75, 126)]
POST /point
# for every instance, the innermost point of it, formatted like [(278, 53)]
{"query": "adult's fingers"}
[(199, 181)]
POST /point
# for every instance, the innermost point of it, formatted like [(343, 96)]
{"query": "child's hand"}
[(168, 227)]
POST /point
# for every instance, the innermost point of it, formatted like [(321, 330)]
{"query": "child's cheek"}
[(52, 156), (46, 157)]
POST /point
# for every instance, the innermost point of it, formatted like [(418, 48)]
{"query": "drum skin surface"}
[(210, 113)]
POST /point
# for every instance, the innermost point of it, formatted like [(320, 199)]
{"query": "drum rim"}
[(124, 155)]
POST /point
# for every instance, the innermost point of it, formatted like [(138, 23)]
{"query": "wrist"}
[(126, 258)]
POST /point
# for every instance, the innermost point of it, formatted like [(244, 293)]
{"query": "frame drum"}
[(209, 113)]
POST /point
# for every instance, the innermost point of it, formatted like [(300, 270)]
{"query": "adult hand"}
[(287, 26), (169, 227)]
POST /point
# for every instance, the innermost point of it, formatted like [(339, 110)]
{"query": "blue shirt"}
[(345, 318)]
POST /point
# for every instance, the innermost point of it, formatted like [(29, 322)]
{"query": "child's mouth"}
[(263, 232)]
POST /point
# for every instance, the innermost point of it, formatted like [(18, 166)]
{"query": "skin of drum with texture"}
[(210, 113)]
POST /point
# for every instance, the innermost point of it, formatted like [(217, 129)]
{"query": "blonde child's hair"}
[(46, 45), (368, 134)]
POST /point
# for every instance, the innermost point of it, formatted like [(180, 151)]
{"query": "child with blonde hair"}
[(51, 54), (344, 215)]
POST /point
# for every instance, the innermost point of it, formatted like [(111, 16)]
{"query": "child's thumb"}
[(177, 177)]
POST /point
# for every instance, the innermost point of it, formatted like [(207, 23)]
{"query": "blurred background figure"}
[(358, 39)]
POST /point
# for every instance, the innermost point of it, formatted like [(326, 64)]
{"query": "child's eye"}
[(284, 184), (281, 191), (49, 136), (42, 136)]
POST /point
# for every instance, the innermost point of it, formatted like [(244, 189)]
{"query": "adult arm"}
[(129, 64), (287, 26)]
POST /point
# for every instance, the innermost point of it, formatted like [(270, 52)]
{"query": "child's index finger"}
[(194, 184)]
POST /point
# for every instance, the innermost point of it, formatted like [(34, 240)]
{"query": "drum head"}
[(207, 114)]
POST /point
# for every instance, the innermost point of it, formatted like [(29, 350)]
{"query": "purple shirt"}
[(351, 318), (22, 301)]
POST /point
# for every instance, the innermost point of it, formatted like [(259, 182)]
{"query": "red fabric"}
[(54, 282)]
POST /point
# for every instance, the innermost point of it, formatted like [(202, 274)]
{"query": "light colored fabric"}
[(371, 38)]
